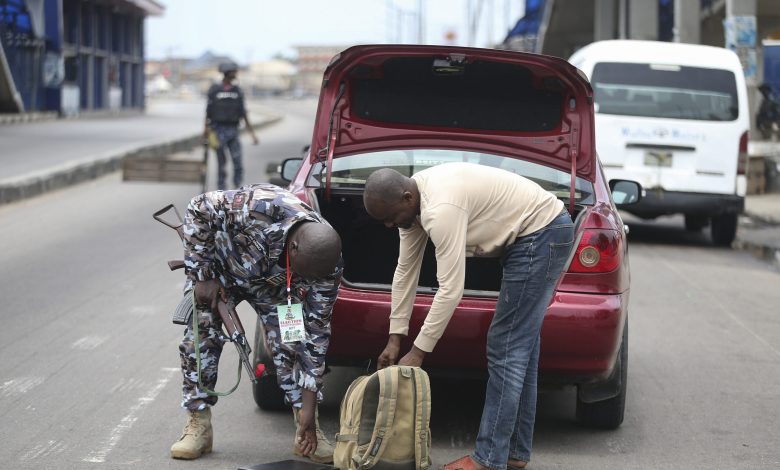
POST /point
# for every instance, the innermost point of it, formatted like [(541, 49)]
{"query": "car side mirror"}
[(290, 168), (625, 192)]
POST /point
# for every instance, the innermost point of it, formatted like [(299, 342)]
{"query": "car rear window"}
[(665, 91), (480, 95), (351, 172)]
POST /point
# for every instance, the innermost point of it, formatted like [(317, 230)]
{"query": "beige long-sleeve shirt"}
[(467, 210)]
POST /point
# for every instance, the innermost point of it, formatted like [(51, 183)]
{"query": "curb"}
[(68, 174), (761, 251)]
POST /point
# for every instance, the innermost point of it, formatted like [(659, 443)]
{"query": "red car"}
[(410, 107)]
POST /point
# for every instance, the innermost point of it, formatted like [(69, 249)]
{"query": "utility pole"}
[(420, 21)]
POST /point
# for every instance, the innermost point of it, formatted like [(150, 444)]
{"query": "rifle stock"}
[(235, 330)]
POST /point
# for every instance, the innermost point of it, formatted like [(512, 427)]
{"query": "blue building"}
[(71, 56)]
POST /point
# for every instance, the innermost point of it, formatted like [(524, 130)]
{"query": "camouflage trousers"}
[(293, 367)]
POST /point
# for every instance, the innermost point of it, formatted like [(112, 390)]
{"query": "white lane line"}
[(723, 309), (42, 450), (99, 455), (19, 386), (88, 343)]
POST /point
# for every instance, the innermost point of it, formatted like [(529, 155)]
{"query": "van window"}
[(665, 91)]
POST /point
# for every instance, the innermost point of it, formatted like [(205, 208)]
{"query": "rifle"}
[(226, 310)]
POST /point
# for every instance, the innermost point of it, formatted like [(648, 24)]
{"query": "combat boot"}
[(324, 452), (197, 437)]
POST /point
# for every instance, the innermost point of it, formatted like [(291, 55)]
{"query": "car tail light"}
[(599, 251), (742, 163)]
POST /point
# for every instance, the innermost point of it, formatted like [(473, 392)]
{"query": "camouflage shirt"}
[(239, 236)]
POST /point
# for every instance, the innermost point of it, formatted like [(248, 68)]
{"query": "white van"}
[(673, 117)]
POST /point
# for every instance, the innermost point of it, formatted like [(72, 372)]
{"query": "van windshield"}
[(665, 91)]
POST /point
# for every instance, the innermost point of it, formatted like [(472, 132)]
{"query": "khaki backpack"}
[(385, 421)]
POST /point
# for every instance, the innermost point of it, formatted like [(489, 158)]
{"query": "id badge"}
[(291, 323)]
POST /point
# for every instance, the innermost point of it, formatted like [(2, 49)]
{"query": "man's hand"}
[(255, 140), (306, 434), (207, 293), (413, 358), (390, 354)]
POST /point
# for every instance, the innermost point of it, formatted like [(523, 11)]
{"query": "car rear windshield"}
[(351, 172), (665, 91), (480, 95)]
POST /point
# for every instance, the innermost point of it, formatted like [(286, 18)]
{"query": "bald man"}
[(258, 243), (475, 210)]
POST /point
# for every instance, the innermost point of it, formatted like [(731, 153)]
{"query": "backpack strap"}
[(422, 436), (385, 417)]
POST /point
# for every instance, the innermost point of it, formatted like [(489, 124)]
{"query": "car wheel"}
[(694, 223), (608, 414), (723, 229), (266, 391)]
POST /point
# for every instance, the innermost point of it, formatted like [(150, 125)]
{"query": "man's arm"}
[(245, 115), (209, 105), (405, 280), (317, 310), (448, 225)]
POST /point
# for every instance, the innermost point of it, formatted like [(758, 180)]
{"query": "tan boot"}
[(197, 437), (324, 452)]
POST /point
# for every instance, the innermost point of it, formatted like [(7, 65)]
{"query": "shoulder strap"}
[(385, 416), (422, 420)]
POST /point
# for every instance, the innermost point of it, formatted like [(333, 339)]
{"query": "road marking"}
[(99, 455), (724, 310), (19, 386), (88, 343), (42, 450)]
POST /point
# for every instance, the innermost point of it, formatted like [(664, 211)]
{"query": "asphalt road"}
[(89, 372)]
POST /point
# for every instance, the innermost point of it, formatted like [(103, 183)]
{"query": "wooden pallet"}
[(177, 168)]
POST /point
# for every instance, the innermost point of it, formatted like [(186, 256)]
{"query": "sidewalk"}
[(41, 156), (759, 229)]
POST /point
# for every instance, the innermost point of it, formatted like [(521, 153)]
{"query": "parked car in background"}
[(673, 117), (412, 107)]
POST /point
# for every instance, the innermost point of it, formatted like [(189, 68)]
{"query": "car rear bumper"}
[(580, 335), (657, 202)]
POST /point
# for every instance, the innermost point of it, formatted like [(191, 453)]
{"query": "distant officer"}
[(224, 111)]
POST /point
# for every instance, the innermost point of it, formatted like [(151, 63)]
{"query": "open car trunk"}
[(370, 250)]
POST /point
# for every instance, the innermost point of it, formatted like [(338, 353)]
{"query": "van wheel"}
[(608, 414), (268, 396), (694, 223), (723, 229)]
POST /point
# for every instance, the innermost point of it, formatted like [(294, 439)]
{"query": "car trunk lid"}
[(526, 106)]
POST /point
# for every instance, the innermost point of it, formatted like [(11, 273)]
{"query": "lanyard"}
[(289, 278)]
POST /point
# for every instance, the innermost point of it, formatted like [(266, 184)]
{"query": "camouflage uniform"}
[(239, 236)]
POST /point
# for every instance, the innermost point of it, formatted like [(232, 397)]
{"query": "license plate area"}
[(658, 158)]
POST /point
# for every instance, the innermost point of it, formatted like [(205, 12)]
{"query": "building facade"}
[(72, 56)]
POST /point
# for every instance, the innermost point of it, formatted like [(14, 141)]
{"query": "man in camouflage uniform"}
[(236, 245)]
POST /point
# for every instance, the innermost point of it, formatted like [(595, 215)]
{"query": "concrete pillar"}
[(642, 19), (604, 25), (747, 53), (741, 7), (687, 21)]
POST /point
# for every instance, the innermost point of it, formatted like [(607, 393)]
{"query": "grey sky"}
[(257, 29)]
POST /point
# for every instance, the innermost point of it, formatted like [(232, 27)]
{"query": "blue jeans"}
[(532, 266), (228, 136)]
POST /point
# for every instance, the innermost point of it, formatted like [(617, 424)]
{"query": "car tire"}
[(609, 413), (268, 396), (694, 223), (723, 229)]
